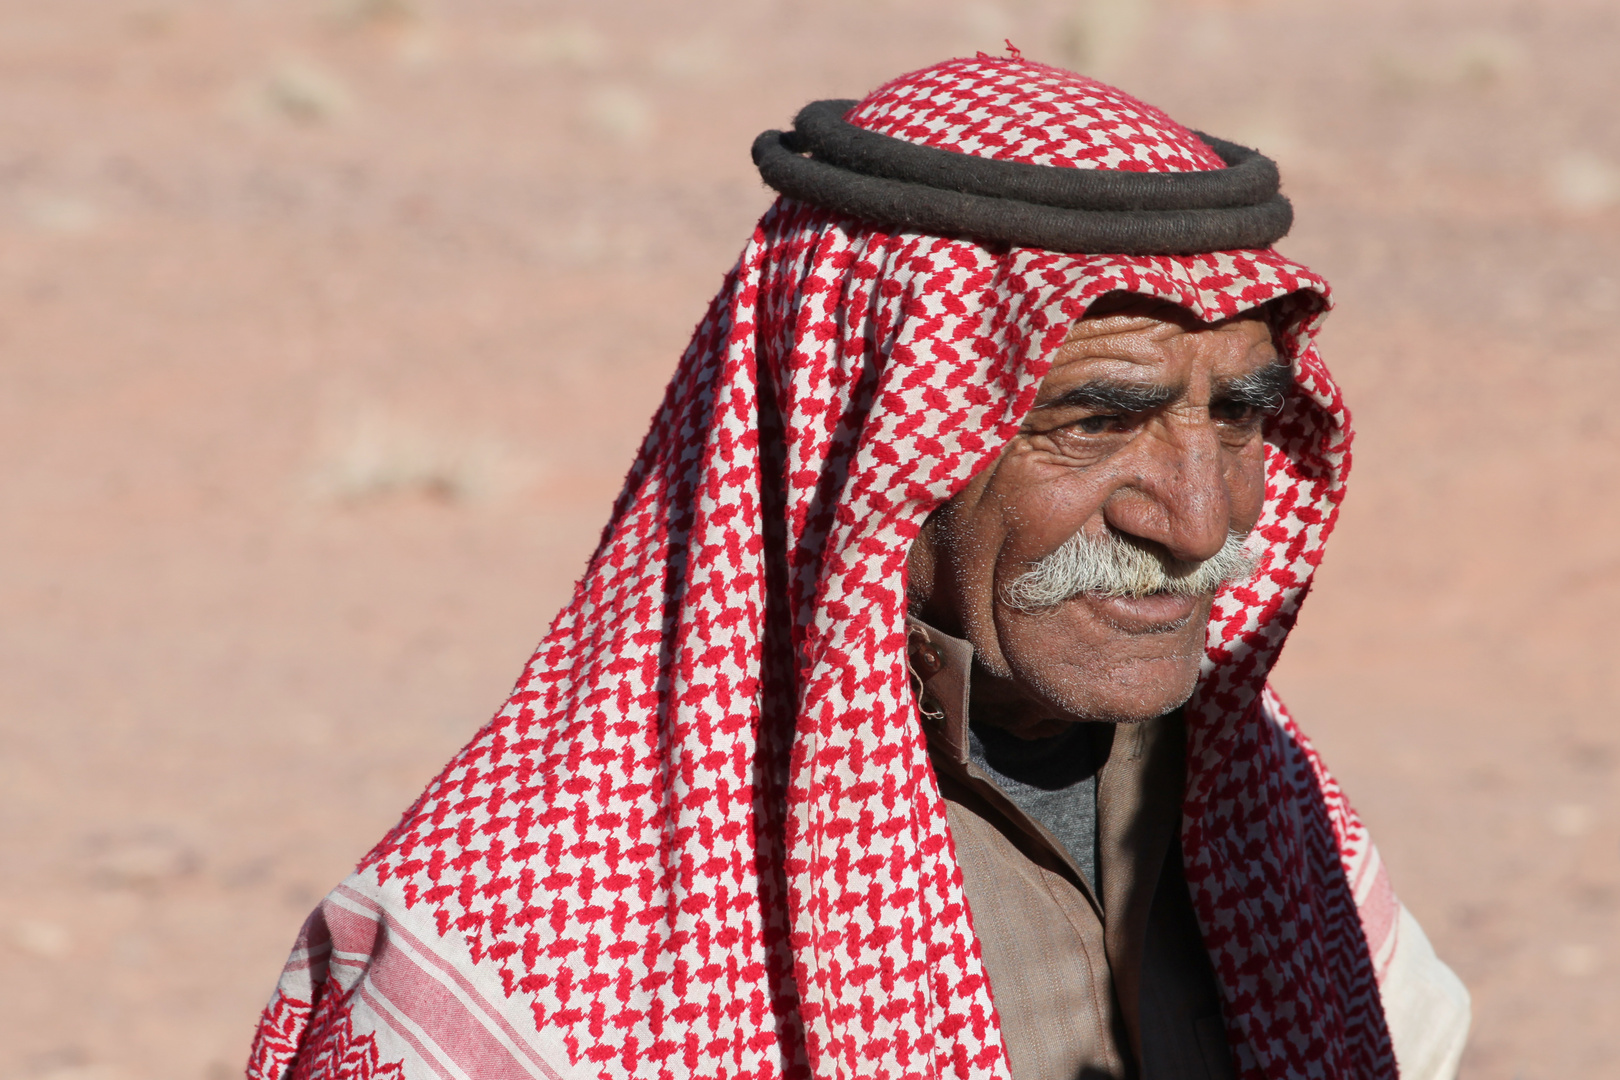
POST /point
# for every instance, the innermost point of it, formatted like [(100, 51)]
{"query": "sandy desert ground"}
[(328, 328)]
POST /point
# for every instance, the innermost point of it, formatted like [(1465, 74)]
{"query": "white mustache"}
[(1113, 566)]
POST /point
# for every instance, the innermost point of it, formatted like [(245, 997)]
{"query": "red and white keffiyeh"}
[(703, 837)]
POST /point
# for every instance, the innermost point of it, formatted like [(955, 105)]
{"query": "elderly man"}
[(911, 718)]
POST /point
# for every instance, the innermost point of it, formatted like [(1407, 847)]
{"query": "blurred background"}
[(329, 327)]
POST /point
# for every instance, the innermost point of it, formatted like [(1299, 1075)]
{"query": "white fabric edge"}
[(1426, 1006), (485, 989)]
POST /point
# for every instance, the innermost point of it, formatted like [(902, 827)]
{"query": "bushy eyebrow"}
[(1265, 389), (1115, 396)]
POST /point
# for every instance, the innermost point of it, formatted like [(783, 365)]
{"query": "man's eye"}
[(1096, 425), (1234, 412)]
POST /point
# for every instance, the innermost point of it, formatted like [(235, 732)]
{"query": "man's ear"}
[(920, 565)]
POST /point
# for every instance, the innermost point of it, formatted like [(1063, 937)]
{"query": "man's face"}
[(1146, 429)]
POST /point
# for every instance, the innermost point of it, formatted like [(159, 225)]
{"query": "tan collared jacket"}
[(1116, 985)]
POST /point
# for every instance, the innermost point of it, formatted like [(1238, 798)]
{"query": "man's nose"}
[(1172, 491)]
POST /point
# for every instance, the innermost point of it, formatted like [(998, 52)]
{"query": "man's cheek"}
[(1055, 505), (1248, 488)]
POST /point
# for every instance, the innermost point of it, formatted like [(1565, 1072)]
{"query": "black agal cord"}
[(888, 181)]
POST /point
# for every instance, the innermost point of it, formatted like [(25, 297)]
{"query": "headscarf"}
[(703, 837)]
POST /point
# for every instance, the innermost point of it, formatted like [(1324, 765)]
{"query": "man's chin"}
[(1121, 706), (1114, 660)]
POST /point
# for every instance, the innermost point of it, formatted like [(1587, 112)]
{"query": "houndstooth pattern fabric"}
[(703, 837)]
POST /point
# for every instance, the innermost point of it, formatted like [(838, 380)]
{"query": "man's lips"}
[(1156, 614)]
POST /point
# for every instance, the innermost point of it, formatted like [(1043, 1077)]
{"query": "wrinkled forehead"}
[(1123, 304), (1136, 339)]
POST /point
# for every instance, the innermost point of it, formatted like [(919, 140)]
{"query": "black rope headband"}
[(888, 181)]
